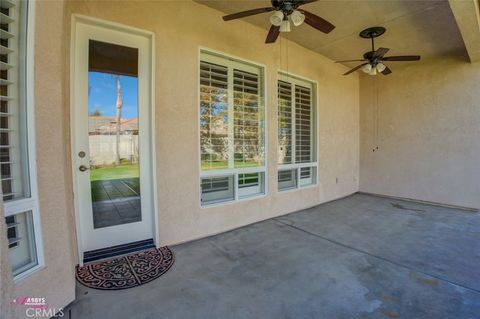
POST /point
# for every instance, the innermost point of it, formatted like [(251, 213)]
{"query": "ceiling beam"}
[(467, 15)]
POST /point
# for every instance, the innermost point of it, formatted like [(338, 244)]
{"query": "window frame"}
[(26, 89), (247, 65), (296, 79)]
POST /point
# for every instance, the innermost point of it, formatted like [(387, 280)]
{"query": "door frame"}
[(75, 20)]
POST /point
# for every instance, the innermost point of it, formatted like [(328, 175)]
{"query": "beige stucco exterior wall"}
[(55, 281), (178, 38), (425, 121)]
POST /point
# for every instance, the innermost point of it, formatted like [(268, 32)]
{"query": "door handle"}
[(83, 168)]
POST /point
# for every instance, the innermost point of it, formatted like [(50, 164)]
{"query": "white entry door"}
[(111, 135)]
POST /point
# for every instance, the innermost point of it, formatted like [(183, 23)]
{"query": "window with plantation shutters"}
[(16, 155), (232, 151), (296, 133)]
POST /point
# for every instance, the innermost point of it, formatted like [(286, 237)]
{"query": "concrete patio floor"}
[(359, 257)]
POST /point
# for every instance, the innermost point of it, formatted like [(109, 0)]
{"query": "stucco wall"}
[(424, 119), (428, 143), (178, 38), (55, 282)]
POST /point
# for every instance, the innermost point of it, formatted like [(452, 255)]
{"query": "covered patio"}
[(362, 256), (239, 159)]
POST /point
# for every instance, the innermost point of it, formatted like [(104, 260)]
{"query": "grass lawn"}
[(224, 164), (114, 172)]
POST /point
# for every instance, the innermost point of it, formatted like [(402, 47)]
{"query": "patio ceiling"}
[(427, 28)]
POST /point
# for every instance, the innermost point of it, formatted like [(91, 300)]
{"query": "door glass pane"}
[(113, 134)]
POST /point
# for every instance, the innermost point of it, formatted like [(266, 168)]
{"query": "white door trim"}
[(80, 19)]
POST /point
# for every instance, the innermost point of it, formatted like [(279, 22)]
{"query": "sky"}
[(102, 94)]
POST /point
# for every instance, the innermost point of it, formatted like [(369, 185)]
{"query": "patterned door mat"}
[(126, 271)]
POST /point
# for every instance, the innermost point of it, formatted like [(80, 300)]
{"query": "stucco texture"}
[(178, 39), (55, 282), (424, 119)]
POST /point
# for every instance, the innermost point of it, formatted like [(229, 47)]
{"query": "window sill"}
[(27, 273)]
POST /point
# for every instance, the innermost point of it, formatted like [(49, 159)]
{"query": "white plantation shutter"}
[(12, 60), (303, 124), (285, 128), (213, 115), (212, 75), (296, 133), (247, 131)]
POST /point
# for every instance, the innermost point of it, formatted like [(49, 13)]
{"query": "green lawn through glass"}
[(224, 164), (114, 172), (115, 182)]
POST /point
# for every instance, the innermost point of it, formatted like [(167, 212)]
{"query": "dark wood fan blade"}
[(402, 58), (302, 2), (317, 22), (355, 69), (380, 52), (272, 34), (351, 61), (387, 71), (247, 13)]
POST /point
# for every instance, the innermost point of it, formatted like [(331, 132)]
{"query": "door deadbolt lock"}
[(81, 154), (83, 168)]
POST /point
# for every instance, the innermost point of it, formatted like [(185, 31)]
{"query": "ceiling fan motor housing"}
[(286, 6), (369, 56)]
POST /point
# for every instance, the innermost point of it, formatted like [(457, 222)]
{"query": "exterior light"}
[(277, 18), (381, 67), (297, 18), (285, 26)]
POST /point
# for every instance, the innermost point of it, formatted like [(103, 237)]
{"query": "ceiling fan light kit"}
[(297, 18), (280, 20), (277, 18), (381, 67), (285, 26), (373, 59), (367, 68)]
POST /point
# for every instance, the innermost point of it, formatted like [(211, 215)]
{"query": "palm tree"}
[(119, 105)]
